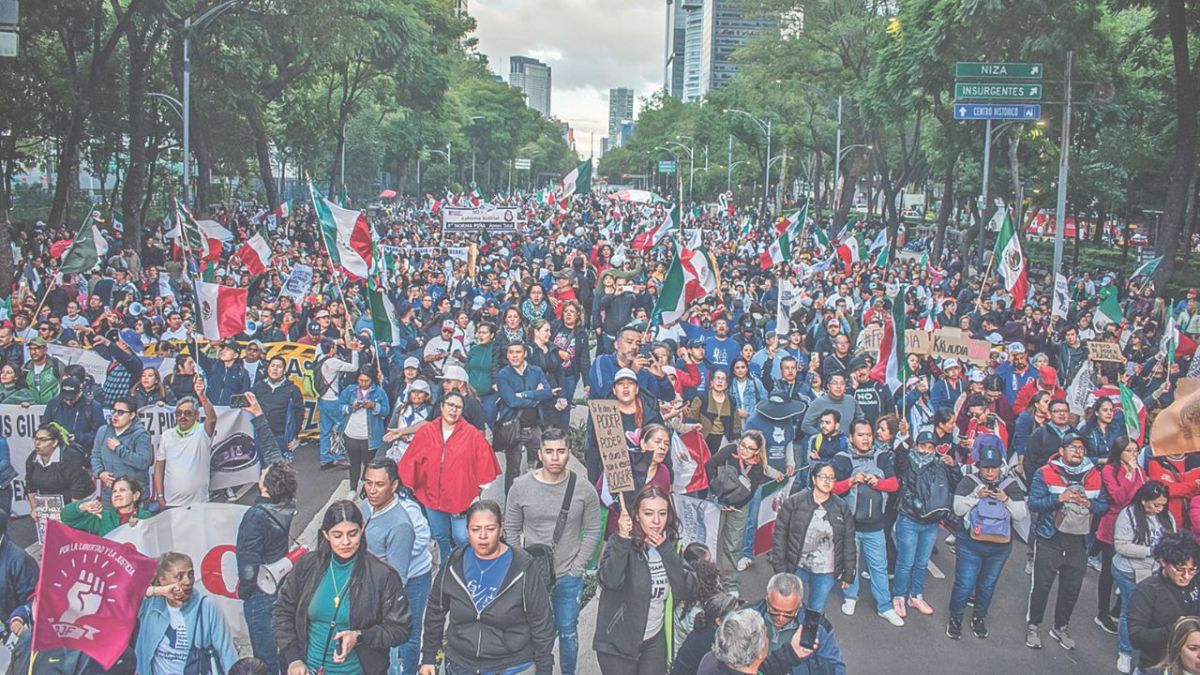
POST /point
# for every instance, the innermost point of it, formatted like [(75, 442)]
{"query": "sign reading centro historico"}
[(1009, 71), (967, 91)]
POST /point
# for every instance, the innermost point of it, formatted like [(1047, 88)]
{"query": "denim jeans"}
[(914, 545), (873, 549), (1125, 584), (447, 530), (817, 587), (257, 610), (331, 418), (407, 657), (565, 601), (976, 570)]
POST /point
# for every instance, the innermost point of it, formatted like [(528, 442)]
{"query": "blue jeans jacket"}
[(376, 418)]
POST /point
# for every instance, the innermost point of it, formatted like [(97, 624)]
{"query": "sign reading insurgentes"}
[(973, 91)]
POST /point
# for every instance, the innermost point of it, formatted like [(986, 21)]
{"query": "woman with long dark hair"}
[(489, 610), (1122, 476), (1137, 530), (640, 576), (341, 609)]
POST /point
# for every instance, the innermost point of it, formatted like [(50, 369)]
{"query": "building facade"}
[(620, 109), (533, 78)]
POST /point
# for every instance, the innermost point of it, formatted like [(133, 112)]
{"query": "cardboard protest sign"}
[(610, 439), (871, 338), (947, 343), (1104, 351), (46, 508)]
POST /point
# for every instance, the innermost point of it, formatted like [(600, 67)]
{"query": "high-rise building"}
[(693, 30), (723, 28), (682, 39), (620, 109), (532, 77)]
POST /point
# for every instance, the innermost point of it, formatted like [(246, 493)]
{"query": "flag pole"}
[(52, 284), (988, 272), (187, 252), (312, 193)]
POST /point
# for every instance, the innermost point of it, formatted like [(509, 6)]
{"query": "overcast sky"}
[(590, 45)]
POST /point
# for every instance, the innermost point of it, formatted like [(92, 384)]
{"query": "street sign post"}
[(521, 164), (998, 111), (1006, 71), (666, 166), (1007, 91)]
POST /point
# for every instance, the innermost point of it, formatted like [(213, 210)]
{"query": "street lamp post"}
[(190, 25), (765, 127), (837, 165), (674, 156), (691, 166)]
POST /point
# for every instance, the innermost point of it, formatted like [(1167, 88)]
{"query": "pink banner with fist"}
[(88, 593)]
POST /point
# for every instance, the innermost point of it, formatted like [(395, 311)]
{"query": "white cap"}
[(419, 385), (412, 362), (453, 372), (951, 363), (1016, 348), (625, 374)]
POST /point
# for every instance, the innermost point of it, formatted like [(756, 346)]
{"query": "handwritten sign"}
[(953, 343), (871, 338), (610, 439), (1104, 351), (46, 507)]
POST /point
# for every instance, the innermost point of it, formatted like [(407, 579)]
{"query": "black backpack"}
[(927, 493)]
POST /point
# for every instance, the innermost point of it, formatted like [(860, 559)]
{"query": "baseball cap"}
[(38, 342), (1069, 438), (859, 361), (419, 385), (1016, 348), (448, 325), (70, 387), (977, 375), (925, 437), (625, 374), (453, 372), (1048, 375), (951, 363), (990, 457), (323, 314), (412, 362)]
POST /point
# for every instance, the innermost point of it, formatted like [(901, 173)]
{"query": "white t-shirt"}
[(170, 656), (188, 459), (658, 594)]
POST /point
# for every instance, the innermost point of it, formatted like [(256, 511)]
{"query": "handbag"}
[(270, 575), (506, 434), (201, 660), (543, 555), (729, 487)]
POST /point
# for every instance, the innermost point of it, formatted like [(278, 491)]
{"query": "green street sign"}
[(971, 91), (666, 166), (1010, 71)]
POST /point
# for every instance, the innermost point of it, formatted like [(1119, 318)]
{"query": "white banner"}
[(97, 366), (17, 425), (699, 521), (235, 459), (485, 217), (207, 534), (1062, 297), (299, 282)]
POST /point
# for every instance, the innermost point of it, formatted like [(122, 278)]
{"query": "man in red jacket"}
[(1047, 381)]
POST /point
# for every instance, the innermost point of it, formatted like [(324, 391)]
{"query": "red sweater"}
[(446, 475)]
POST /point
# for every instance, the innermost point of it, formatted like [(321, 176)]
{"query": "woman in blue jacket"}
[(171, 605), (365, 408)]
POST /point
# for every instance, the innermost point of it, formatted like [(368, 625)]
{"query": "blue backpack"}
[(990, 520)]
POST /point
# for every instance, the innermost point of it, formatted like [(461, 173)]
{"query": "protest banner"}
[(235, 459), (482, 218), (45, 509), (89, 592), (97, 366), (610, 439), (1104, 351), (299, 282), (1079, 390), (206, 533), (17, 424), (871, 338), (699, 521), (953, 343)]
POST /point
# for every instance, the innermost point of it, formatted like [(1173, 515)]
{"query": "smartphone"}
[(812, 621), (238, 401), (646, 350)]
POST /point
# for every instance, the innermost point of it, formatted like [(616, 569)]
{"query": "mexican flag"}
[(222, 310), (851, 251), (86, 251), (692, 275), (794, 223), (347, 236), (476, 198), (1147, 268), (1170, 338), (578, 181), (1135, 424), (773, 495), (881, 258), (284, 210), (1109, 312), (1010, 262), (880, 241), (648, 239), (779, 251), (204, 237), (256, 254), (893, 362), (821, 238), (383, 315)]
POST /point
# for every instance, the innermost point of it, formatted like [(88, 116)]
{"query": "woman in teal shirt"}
[(342, 609)]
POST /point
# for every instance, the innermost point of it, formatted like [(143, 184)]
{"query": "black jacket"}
[(624, 578), (791, 527), (262, 537), (516, 628), (1043, 443), (68, 476), (378, 608), (83, 419), (1154, 607)]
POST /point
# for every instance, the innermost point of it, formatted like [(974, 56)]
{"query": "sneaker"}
[(898, 607), (1106, 623), (866, 575), (1124, 663), (918, 603), (1029, 567), (1094, 562), (1032, 639), (892, 617), (352, 495), (848, 606), (950, 539), (744, 564), (979, 627), (954, 628), (1063, 637)]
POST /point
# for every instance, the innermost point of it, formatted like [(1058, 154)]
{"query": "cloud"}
[(590, 45)]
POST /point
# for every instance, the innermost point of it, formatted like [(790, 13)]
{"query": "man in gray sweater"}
[(530, 518), (834, 398)]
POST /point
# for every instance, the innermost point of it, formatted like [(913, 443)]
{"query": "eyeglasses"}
[(782, 615), (118, 411), (824, 477), (43, 439), (453, 406), (1186, 571)]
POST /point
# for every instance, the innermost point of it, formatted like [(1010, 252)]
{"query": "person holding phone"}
[(790, 626), (341, 610), (640, 575), (365, 410)]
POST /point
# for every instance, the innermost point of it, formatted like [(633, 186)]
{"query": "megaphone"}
[(251, 327)]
